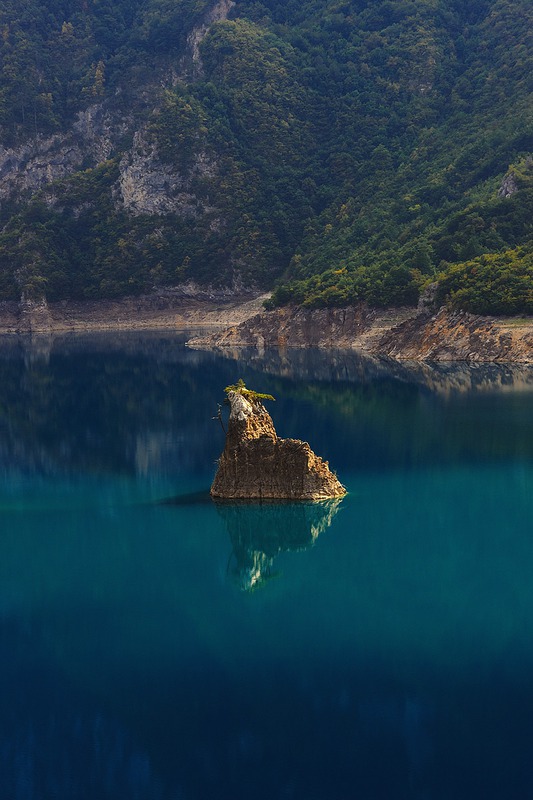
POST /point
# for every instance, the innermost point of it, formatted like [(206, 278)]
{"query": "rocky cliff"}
[(296, 326), (405, 334), (257, 465), (459, 336)]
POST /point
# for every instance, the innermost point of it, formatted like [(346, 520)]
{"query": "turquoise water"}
[(154, 645)]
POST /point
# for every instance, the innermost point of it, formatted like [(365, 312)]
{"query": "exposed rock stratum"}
[(405, 334), (257, 465)]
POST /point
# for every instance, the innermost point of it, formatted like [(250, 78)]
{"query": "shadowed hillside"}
[(341, 151)]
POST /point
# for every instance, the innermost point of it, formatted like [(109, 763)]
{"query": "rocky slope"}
[(459, 336), (295, 326), (235, 142), (405, 334), (146, 184), (257, 465)]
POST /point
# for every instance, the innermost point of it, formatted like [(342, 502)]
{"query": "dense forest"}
[(334, 151)]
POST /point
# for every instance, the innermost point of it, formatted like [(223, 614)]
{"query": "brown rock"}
[(460, 336), (406, 334), (256, 464), (295, 326)]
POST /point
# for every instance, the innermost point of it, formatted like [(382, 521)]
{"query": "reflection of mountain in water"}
[(364, 413), (142, 405), (259, 533), (355, 367), (124, 403)]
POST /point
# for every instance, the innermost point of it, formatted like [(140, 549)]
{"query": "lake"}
[(155, 646)]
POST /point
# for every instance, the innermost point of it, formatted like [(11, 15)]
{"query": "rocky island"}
[(257, 465)]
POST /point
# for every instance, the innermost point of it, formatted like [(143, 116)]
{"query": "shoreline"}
[(162, 311), (403, 334), (217, 320)]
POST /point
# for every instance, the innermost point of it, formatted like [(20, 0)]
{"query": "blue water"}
[(156, 646)]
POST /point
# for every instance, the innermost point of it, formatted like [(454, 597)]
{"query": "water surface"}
[(154, 645)]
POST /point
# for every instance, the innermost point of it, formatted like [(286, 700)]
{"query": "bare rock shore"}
[(171, 309), (403, 334), (237, 320)]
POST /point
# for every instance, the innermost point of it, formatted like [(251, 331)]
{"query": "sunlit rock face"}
[(256, 464), (460, 336)]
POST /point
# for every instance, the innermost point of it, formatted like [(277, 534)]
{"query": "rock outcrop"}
[(296, 326), (110, 129), (257, 465), (509, 186), (459, 336), (405, 334), (34, 316), (217, 13), (148, 186), (26, 169)]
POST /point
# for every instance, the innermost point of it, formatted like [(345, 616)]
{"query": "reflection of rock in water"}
[(352, 366), (259, 533), (37, 349)]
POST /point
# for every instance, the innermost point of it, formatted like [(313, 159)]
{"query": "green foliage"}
[(249, 394), (83, 247), (179, 129), (496, 284), (340, 151), (57, 57), (397, 286)]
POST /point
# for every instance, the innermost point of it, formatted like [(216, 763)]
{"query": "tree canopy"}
[(357, 148)]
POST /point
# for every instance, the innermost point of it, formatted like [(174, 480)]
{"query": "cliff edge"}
[(405, 334), (257, 465)]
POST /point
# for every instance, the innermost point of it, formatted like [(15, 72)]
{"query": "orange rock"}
[(256, 464)]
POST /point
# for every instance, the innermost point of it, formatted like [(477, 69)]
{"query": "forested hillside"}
[(340, 151)]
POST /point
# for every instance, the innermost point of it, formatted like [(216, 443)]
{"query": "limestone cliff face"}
[(217, 13), (95, 136), (257, 465), (148, 186), (145, 186), (26, 169), (509, 186)]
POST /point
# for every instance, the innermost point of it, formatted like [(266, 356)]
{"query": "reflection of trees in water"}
[(260, 532), (351, 366), (142, 404), (371, 413), (101, 404)]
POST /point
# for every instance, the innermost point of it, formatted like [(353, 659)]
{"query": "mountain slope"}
[(347, 150)]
